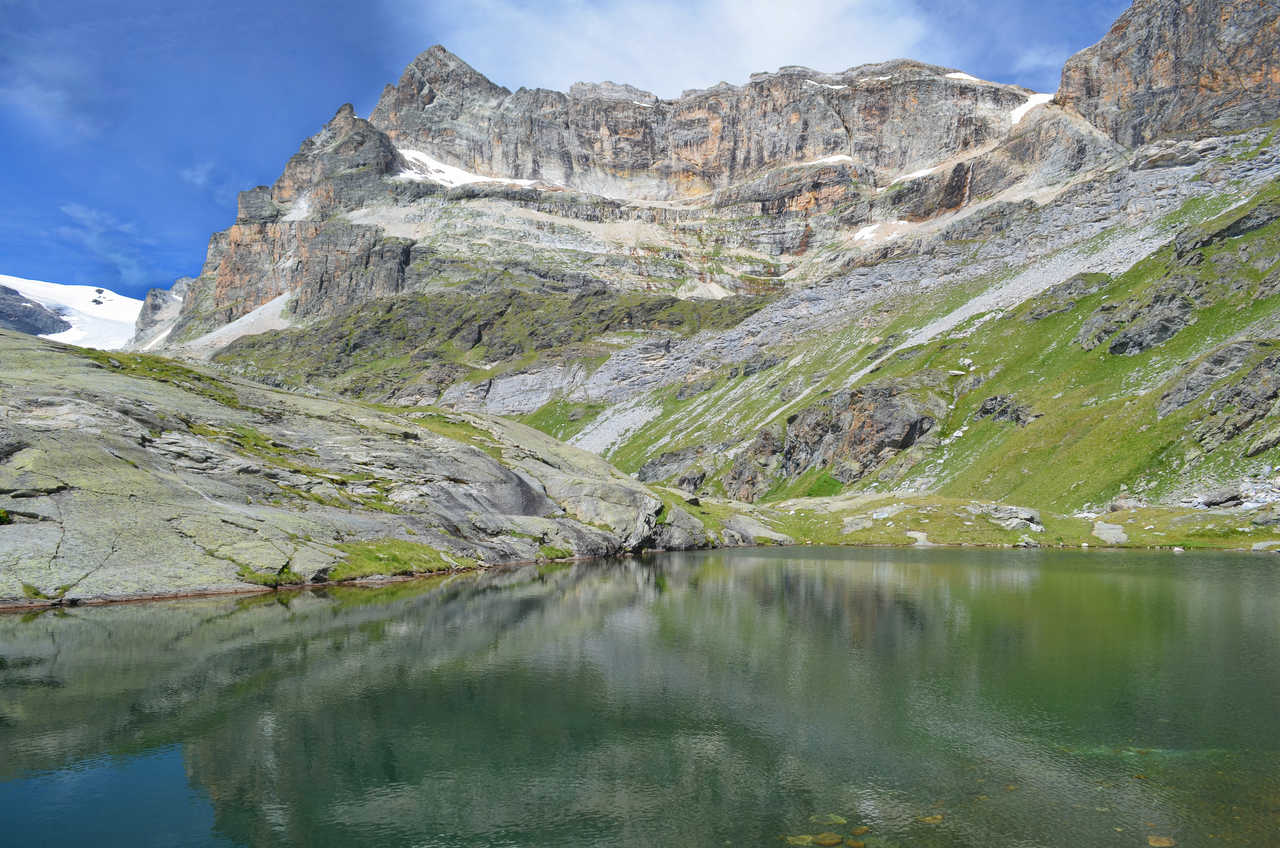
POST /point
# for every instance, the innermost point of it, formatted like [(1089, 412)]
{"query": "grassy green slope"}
[(1098, 431)]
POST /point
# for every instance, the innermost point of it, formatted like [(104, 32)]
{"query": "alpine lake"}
[(764, 697)]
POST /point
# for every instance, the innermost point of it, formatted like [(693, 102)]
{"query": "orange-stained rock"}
[(1179, 67)]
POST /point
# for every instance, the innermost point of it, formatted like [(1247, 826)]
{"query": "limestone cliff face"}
[(455, 180), (623, 142), (1170, 67), (784, 182)]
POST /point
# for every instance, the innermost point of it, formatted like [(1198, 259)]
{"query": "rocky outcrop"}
[(23, 315), (1005, 408), (126, 475), (849, 435), (1139, 324), (160, 311), (1237, 407), (1171, 67), (1218, 364)]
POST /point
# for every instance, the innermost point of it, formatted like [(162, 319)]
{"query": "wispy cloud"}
[(115, 243), (197, 175), (1039, 59), (46, 76), (664, 46), (49, 93)]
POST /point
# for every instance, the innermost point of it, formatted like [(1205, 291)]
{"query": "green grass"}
[(952, 521), (392, 557), (34, 593), (1098, 409), (458, 429), (5, 518), (562, 419), (284, 577), (551, 552), (383, 346), (165, 371)]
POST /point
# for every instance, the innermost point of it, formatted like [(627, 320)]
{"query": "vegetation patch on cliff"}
[(427, 342)]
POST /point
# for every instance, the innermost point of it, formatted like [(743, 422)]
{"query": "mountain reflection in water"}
[(935, 698)]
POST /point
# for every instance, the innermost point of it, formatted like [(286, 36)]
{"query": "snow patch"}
[(866, 233), (1032, 102), (158, 339), (906, 178), (268, 316), (826, 84), (960, 75), (644, 105), (300, 209), (882, 231), (834, 159), (98, 317), (709, 290), (424, 168)]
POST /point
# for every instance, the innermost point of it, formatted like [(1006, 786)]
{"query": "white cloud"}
[(664, 46), (197, 175), (109, 240)]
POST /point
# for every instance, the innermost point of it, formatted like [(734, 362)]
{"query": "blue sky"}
[(127, 127)]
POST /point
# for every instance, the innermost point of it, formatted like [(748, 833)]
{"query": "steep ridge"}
[(621, 142)]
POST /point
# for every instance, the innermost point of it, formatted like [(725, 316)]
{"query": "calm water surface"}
[(935, 698)]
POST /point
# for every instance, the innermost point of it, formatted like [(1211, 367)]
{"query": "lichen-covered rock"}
[(129, 475), (1179, 66)]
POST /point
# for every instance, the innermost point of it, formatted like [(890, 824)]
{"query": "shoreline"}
[(10, 607)]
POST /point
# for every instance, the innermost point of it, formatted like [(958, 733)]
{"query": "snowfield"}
[(424, 168), (98, 317)]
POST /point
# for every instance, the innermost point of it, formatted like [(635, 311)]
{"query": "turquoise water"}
[(934, 698)]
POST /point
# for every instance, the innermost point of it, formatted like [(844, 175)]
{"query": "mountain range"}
[(890, 304)]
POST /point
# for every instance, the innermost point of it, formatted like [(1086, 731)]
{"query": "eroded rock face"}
[(118, 483), (620, 141), (850, 434), (1220, 363), (1239, 406), (1170, 67)]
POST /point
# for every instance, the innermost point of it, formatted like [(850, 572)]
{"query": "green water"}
[(937, 698)]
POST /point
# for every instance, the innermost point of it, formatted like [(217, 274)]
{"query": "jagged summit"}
[(620, 141)]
